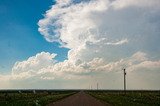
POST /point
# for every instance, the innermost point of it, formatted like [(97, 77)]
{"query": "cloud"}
[(41, 60), (79, 71), (103, 36), (65, 19), (118, 43), (91, 28), (119, 4)]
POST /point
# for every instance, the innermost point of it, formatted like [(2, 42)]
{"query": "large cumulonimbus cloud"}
[(103, 36), (94, 28)]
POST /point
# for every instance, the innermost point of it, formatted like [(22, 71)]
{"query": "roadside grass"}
[(31, 99), (135, 98)]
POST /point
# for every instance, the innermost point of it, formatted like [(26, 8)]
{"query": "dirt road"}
[(79, 99)]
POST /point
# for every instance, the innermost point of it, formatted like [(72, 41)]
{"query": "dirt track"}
[(79, 99)]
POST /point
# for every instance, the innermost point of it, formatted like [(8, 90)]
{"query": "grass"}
[(31, 99), (132, 98)]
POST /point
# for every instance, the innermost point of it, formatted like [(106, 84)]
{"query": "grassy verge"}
[(30, 99), (130, 99)]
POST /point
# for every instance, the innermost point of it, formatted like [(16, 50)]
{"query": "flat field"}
[(131, 98), (31, 98), (44, 97)]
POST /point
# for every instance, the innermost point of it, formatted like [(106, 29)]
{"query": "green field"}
[(131, 98), (44, 97), (29, 98)]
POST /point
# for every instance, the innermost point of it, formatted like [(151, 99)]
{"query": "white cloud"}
[(146, 65), (119, 4), (91, 28), (65, 20), (123, 41), (94, 70), (103, 36), (41, 60)]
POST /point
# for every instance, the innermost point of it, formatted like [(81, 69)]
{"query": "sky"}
[(75, 44)]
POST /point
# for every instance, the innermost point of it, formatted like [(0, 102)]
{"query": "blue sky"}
[(19, 36)]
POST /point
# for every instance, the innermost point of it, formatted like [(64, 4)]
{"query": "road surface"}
[(79, 99)]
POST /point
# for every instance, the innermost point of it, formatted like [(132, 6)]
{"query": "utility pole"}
[(124, 70)]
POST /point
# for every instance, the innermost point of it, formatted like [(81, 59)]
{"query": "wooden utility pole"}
[(124, 80)]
